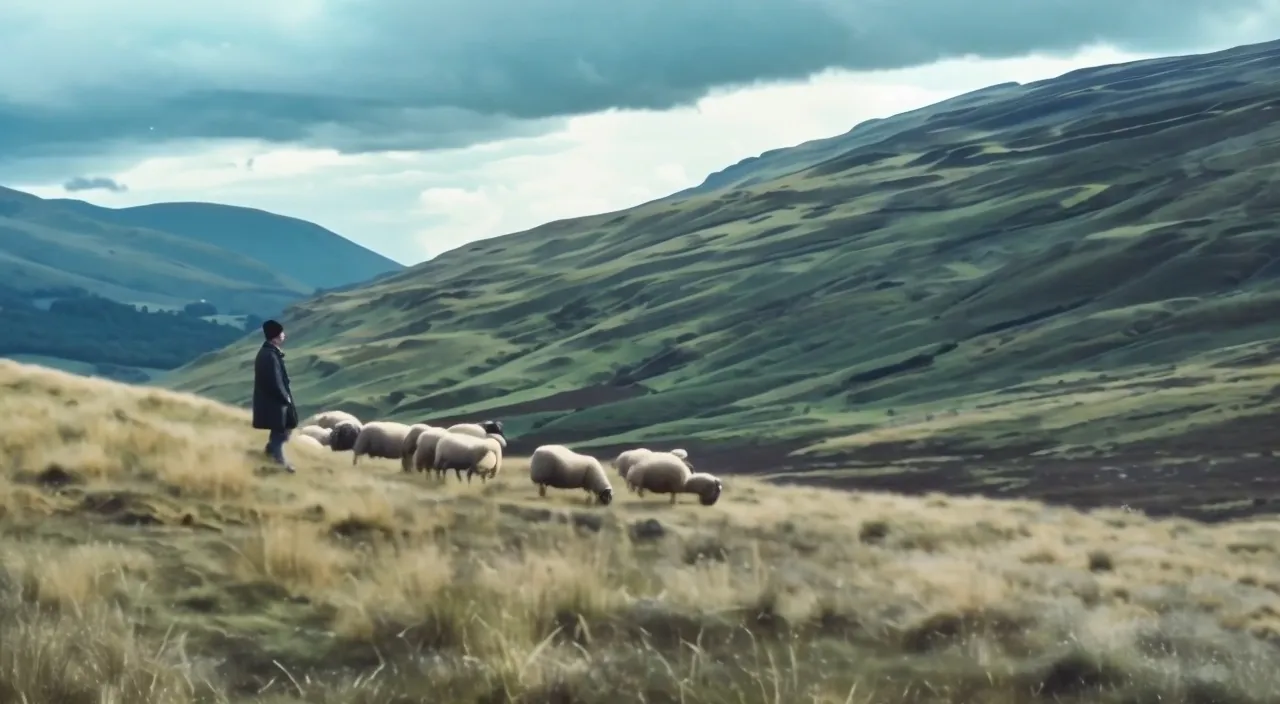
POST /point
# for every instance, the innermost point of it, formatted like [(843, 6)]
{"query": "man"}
[(273, 407)]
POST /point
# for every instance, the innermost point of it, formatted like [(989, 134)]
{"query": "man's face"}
[(280, 340)]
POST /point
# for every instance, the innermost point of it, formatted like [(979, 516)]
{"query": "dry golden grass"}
[(151, 557)]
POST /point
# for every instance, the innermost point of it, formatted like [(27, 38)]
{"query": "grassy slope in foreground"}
[(149, 560), (1083, 264), (46, 246), (296, 248)]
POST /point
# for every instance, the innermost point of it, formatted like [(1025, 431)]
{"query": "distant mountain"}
[(45, 245), (117, 293), (295, 248)]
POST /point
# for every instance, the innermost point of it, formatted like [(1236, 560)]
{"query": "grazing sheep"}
[(458, 451), (424, 457), (411, 445), (708, 487), (330, 419), (344, 435), (315, 432), (307, 441), (660, 473), (558, 467), (628, 459), (380, 438), (478, 430)]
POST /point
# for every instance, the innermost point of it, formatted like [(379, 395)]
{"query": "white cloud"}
[(411, 206)]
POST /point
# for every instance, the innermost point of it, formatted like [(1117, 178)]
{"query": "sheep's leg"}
[(457, 473), (673, 498), (542, 490), (354, 457), (470, 473)]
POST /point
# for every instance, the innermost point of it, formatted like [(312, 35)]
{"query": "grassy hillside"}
[(150, 559), (1079, 267), (298, 249), (776, 163)]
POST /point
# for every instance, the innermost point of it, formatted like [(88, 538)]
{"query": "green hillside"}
[(776, 163), (298, 249), (1001, 279)]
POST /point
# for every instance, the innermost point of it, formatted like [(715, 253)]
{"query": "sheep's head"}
[(344, 436), (605, 497), (711, 493), (493, 427)]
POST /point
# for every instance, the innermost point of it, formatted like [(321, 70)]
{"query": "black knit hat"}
[(271, 329)]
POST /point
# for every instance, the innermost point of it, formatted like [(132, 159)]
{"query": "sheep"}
[(380, 438), (315, 432), (558, 467), (708, 488), (410, 446), (344, 435), (660, 473), (628, 459), (459, 451), (304, 440), (330, 419), (424, 456), (478, 430)]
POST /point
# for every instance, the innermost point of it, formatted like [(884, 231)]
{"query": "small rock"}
[(588, 521), (648, 529)]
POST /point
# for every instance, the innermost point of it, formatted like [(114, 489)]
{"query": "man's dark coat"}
[(273, 407)]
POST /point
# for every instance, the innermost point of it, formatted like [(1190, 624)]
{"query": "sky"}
[(416, 127)]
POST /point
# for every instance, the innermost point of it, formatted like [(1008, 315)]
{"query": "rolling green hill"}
[(84, 290), (298, 249), (1079, 266), (44, 245)]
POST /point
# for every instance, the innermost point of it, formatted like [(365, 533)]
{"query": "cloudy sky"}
[(414, 126)]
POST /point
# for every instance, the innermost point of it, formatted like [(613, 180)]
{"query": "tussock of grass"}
[(151, 558)]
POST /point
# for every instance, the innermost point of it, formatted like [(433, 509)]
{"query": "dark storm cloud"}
[(412, 74), (95, 183)]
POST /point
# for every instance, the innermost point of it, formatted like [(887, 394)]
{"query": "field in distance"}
[(1064, 290), (150, 558)]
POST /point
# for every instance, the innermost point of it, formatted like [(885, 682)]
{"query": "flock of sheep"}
[(477, 448)]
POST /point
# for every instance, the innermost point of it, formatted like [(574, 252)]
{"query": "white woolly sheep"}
[(660, 473), (410, 446), (330, 419), (558, 467), (628, 459), (424, 457), (478, 430), (707, 487), (344, 435), (458, 451), (315, 432), (380, 438), (307, 441)]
